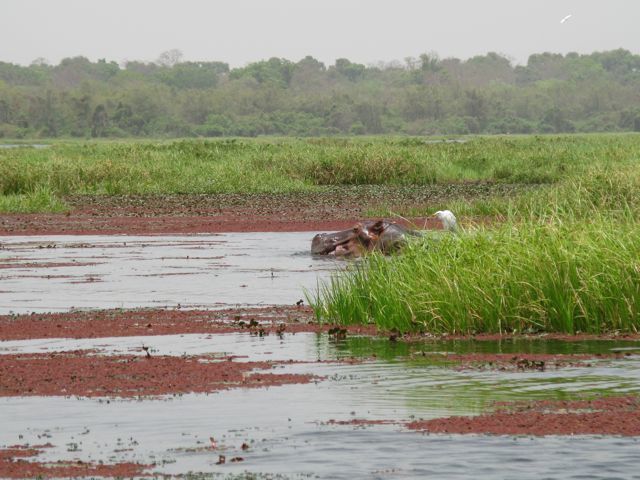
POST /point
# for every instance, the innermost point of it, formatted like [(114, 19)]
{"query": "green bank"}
[(37, 179)]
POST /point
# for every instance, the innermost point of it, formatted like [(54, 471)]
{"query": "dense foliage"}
[(427, 95)]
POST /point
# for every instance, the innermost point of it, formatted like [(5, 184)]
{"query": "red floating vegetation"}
[(83, 374), (14, 465), (602, 416), (123, 323), (185, 213)]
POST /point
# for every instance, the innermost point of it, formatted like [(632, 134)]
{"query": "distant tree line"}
[(552, 93)]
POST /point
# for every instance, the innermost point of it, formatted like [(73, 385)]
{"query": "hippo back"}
[(394, 236)]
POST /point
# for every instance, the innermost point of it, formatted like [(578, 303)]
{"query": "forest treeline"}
[(552, 93)]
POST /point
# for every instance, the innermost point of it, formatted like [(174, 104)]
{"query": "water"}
[(287, 440), (24, 145), (57, 273), (287, 427)]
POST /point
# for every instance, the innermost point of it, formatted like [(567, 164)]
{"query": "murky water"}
[(57, 273), (287, 428), (287, 439), (24, 145)]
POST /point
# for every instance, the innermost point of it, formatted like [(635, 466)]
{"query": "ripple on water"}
[(287, 427), (286, 438)]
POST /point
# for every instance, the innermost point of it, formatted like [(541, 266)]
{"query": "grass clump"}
[(530, 277), (40, 200), (559, 258)]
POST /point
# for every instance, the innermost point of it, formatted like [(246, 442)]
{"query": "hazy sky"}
[(366, 31)]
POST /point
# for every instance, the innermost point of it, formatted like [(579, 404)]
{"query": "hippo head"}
[(352, 242), (381, 235), (325, 243)]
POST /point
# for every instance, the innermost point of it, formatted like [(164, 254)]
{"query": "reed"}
[(600, 188), (560, 276)]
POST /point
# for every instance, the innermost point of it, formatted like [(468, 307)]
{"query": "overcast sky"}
[(365, 31)]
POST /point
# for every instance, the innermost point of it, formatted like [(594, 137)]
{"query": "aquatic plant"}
[(557, 275), (600, 188)]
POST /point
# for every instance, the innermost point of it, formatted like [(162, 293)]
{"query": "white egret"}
[(566, 18), (448, 220)]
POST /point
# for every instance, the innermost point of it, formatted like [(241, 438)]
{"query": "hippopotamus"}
[(381, 235)]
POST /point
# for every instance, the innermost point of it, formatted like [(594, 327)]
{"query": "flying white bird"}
[(566, 18)]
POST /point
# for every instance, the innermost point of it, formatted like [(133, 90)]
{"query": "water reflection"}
[(385, 349)]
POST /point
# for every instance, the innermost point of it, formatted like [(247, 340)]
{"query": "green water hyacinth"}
[(529, 277)]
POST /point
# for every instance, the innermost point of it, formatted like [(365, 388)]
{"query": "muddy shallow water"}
[(57, 273), (287, 439), (317, 427), (289, 428)]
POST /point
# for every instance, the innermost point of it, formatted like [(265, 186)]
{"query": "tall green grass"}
[(298, 165), (600, 188), (540, 277), (40, 200), (563, 258)]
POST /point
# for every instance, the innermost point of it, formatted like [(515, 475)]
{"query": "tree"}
[(170, 58), (352, 71), (476, 105), (198, 75), (275, 71), (484, 94), (99, 121), (430, 62), (40, 62)]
